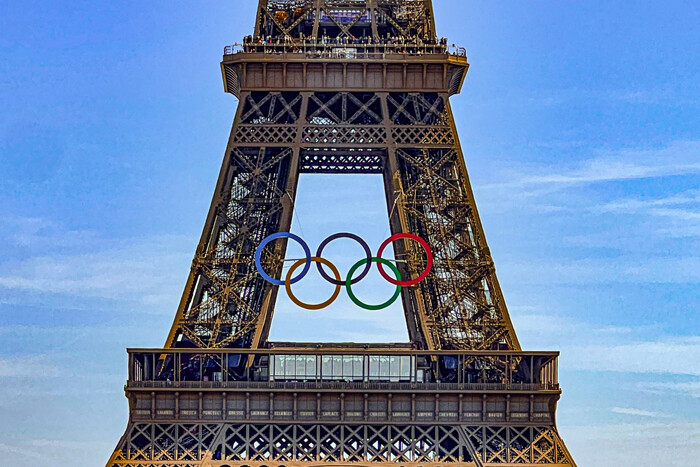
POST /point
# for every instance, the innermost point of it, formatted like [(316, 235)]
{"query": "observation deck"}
[(349, 384), (352, 87), (339, 49), (344, 64)]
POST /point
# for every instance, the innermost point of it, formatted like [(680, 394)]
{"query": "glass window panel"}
[(357, 368), (290, 366), (405, 368), (148, 366), (165, 367), (299, 366), (395, 367), (327, 367), (310, 367), (374, 367), (384, 366), (347, 367), (282, 372), (337, 367), (278, 367)]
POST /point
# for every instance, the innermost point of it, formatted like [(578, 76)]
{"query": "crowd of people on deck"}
[(325, 43)]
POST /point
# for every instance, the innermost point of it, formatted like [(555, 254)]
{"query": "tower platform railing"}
[(345, 49), (347, 369)]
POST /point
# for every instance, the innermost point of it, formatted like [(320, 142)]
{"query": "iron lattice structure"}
[(359, 87)]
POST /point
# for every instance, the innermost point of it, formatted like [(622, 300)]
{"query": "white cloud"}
[(678, 158), (27, 367), (34, 452), (39, 234), (634, 205), (676, 215), (618, 349), (673, 444), (588, 220), (638, 412), (646, 270), (681, 214), (149, 271), (673, 355), (688, 389), (20, 451)]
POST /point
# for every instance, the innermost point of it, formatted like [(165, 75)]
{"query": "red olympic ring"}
[(425, 246)]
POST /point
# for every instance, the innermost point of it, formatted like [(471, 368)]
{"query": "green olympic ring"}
[(353, 297), (350, 280)]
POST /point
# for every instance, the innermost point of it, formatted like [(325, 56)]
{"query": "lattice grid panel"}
[(271, 107), (225, 299), (414, 108), (459, 294), (269, 134), (359, 162), (360, 135), (352, 108), (433, 136), (273, 444)]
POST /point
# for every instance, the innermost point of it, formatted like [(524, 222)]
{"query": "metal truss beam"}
[(410, 138), (204, 444), (343, 86), (290, 19)]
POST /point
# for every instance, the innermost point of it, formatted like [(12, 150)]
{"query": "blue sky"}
[(580, 123)]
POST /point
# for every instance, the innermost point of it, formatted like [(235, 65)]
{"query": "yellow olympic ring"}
[(306, 306)]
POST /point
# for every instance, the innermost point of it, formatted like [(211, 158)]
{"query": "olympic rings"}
[(258, 254), (306, 306), (362, 243), (350, 280), (356, 301), (425, 246)]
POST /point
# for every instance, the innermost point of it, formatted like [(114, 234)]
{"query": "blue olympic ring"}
[(367, 261), (299, 240), (350, 280)]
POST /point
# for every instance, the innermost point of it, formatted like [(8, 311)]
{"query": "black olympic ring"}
[(351, 236), (349, 281)]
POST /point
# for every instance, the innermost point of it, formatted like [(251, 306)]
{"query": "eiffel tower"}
[(347, 87)]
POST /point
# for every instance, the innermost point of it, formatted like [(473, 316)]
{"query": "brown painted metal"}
[(343, 86)]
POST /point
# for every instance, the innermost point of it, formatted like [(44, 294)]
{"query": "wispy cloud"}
[(27, 367), (671, 355), (7, 449), (638, 412), (689, 389), (586, 347), (35, 234), (33, 452), (676, 215), (147, 271), (349, 323), (678, 158), (634, 205), (672, 444), (577, 203), (622, 269)]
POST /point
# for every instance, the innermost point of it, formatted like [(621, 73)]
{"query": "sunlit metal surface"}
[(343, 87)]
